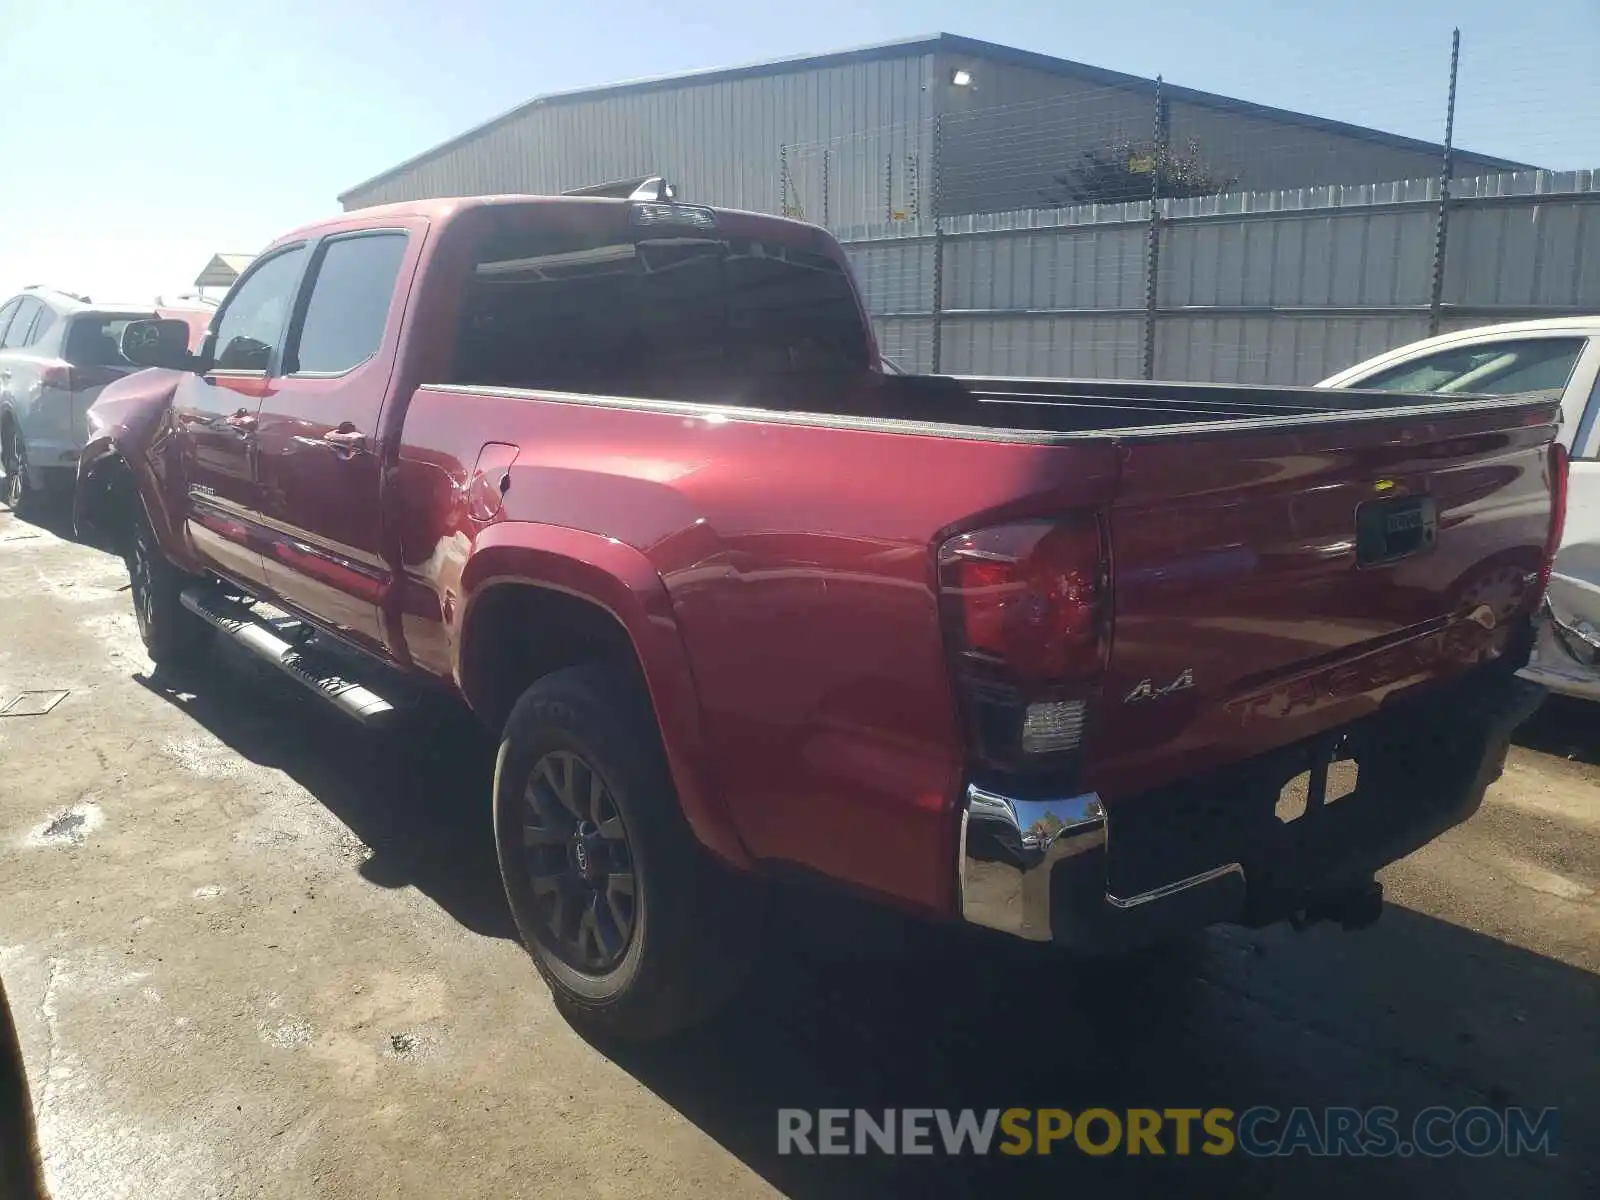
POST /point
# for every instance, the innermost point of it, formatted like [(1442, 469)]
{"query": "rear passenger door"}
[(18, 373), (1580, 430), (1574, 593), (6, 320), (320, 460)]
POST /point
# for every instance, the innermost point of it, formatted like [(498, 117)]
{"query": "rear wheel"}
[(636, 931), (17, 489), (172, 635)]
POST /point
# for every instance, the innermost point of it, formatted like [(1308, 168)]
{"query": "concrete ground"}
[(254, 951)]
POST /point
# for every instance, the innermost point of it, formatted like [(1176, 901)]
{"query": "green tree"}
[(1121, 172)]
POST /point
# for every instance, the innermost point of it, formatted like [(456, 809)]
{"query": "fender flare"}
[(100, 456), (110, 451), (621, 581)]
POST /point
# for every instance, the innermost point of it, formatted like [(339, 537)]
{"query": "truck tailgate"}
[(1268, 585)]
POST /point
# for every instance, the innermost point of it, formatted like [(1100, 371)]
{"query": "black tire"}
[(17, 490), (675, 950), (173, 636)]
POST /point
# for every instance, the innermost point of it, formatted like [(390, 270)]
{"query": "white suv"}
[(56, 352)]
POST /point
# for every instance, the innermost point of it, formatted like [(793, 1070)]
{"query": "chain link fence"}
[(1113, 233), (1283, 287)]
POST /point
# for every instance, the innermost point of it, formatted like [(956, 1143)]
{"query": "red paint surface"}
[(778, 579)]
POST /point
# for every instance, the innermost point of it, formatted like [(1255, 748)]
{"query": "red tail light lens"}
[(1024, 608), (1558, 511), (1025, 599), (56, 375)]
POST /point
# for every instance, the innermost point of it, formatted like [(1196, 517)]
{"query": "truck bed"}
[(797, 536), (1048, 409)]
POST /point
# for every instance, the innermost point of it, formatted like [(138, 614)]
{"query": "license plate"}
[(1388, 530)]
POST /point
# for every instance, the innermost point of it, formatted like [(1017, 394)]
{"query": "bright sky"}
[(139, 138)]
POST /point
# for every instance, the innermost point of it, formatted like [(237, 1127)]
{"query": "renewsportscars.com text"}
[(1259, 1132)]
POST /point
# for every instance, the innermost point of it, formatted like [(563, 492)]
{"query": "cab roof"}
[(442, 209)]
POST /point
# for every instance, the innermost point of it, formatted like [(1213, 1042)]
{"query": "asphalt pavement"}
[(254, 950)]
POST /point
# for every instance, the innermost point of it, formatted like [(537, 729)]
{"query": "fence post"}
[(888, 186), (1441, 228), (783, 179), (1152, 253), (827, 223), (938, 242)]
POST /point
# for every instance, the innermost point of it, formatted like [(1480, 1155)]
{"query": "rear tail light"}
[(56, 375), (1027, 596), (1558, 512), (1024, 608)]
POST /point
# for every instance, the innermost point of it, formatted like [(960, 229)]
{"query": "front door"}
[(216, 416), (18, 372), (319, 459), (1565, 657)]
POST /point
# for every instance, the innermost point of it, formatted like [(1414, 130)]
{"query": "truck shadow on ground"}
[(1565, 727), (418, 797), (21, 1177), (50, 511), (1414, 1012)]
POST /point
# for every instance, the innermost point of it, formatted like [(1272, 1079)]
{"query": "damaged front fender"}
[(102, 494), (123, 467)]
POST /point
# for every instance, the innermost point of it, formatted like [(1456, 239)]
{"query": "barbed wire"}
[(1094, 144), (1317, 250)]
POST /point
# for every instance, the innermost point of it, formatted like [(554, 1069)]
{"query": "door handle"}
[(243, 419), (346, 439)]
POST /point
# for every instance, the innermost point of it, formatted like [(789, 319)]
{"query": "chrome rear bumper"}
[(1010, 849), (1065, 870)]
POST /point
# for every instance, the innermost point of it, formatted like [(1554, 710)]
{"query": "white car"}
[(57, 351), (1557, 353)]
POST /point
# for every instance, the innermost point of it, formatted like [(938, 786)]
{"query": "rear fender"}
[(620, 580)]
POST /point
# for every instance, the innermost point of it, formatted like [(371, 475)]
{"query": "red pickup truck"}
[(1098, 663)]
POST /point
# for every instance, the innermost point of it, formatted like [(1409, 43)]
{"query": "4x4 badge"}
[(1149, 691)]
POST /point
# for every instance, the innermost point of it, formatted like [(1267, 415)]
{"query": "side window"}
[(1583, 440), (41, 324), (251, 326), (652, 314), (1493, 368), (96, 340), (349, 304), (21, 323), (6, 314)]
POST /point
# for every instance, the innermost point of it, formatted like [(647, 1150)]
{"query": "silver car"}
[(56, 352)]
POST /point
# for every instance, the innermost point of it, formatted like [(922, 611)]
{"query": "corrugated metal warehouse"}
[(940, 125)]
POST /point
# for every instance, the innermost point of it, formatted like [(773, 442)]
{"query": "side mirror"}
[(158, 343)]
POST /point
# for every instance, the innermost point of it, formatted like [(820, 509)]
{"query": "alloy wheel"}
[(579, 864), (15, 461), (141, 581)]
